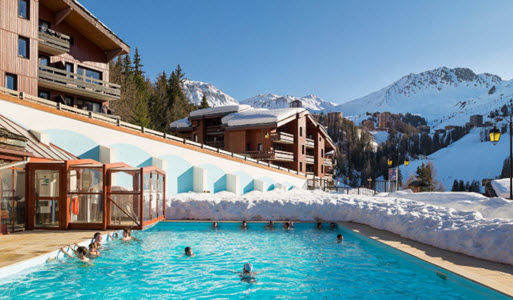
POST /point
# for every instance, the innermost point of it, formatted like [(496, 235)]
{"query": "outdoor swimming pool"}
[(300, 263)]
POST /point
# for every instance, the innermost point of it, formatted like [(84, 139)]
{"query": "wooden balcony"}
[(309, 143), (215, 144), (310, 160), (53, 43), (75, 84), (276, 155), (214, 130), (328, 162), (282, 138)]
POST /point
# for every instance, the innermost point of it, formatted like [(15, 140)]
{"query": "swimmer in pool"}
[(340, 238), (214, 225), (270, 225), (286, 225), (244, 225), (127, 235), (80, 253), (247, 273), (319, 225), (93, 250), (188, 252), (333, 225)]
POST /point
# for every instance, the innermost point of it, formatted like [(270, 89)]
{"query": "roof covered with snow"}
[(182, 123), (219, 110), (255, 116)]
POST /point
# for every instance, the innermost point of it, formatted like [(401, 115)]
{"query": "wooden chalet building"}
[(288, 137), (57, 50)]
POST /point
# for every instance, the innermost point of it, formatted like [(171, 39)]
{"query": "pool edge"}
[(450, 261)]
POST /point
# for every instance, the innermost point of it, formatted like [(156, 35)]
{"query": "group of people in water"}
[(84, 255), (247, 274)]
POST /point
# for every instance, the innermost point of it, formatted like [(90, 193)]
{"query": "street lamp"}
[(390, 162), (495, 136), (406, 161)]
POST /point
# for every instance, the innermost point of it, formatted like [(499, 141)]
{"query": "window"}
[(43, 25), (248, 147), (322, 152), (44, 60), (300, 131), (196, 138), (303, 149), (89, 73), (300, 167), (260, 147), (69, 68), (23, 47), (44, 94), (24, 9), (68, 100), (88, 105), (11, 81), (198, 123), (322, 169)]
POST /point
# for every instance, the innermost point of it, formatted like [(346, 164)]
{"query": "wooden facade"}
[(66, 37), (298, 143)]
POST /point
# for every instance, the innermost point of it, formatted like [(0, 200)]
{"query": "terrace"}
[(276, 155), (282, 138), (52, 42), (77, 84)]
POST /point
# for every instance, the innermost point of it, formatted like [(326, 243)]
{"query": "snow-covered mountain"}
[(194, 90), (310, 102), (443, 96)]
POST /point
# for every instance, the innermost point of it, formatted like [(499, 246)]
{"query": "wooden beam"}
[(113, 53), (61, 15)]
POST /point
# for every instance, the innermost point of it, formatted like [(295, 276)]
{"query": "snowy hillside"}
[(271, 101), (467, 159), (443, 96), (194, 90)]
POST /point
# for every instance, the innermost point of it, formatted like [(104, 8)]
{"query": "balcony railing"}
[(310, 143), (328, 162), (53, 42), (282, 138), (77, 84), (277, 155), (310, 159), (217, 129)]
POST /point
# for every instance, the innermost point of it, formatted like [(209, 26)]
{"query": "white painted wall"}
[(232, 183), (200, 180), (260, 186), (79, 132)]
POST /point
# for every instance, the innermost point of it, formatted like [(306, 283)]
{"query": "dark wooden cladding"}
[(90, 45)]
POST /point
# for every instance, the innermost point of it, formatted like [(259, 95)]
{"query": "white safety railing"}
[(116, 121)]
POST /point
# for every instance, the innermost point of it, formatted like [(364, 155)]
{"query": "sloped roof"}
[(182, 123), (219, 110), (35, 147)]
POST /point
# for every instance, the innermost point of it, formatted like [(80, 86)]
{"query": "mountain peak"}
[(194, 90)]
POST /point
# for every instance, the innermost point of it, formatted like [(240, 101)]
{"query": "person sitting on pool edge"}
[(270, 225), (244, 225), (319, 225), (340, 238), (80, 253), (127, 235)]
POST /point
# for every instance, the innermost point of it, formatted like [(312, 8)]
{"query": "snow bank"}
[(488, 207), (501, 187), (442, 227), (259, 116)]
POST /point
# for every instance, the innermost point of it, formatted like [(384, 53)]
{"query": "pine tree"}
[(461, 185), (137, 63), (178, 104), (455, 186), (204, 102)]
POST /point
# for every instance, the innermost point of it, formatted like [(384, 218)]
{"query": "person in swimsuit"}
[(80, 253)]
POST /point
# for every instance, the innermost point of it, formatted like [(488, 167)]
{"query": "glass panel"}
[(23, 47), (23, 9), (44, 60), (147, 198), (43, 25), (10, 82), (147, 182), (124, 210), (47, 213), (47, 183), (153, 205), (86, 208), (160, 200), (86, 180), (6, 200), (44, 95), (19, 200), (125, 181)]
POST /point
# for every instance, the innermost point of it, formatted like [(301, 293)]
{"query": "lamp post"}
[(495, 135)]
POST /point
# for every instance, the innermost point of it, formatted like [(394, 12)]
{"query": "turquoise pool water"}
[(301, 263)]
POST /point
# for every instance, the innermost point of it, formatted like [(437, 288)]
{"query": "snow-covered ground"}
[(501, 187), (461, 231), (488, 207), (380, 136), (467, 159)]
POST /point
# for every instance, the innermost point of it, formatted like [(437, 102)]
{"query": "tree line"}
[(150, 103)]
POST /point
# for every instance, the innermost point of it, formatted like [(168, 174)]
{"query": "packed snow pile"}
[(182, 123), (219, 110), (447, 228), (488, 207), (259, 116), (501, 187)]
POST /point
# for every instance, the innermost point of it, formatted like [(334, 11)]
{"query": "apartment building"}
[(288, 137), (57, 50)]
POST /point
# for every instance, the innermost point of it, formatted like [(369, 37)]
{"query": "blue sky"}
[(338, 50)]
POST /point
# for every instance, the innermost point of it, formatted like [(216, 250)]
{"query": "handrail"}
[(79, 77), (119, 123)]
